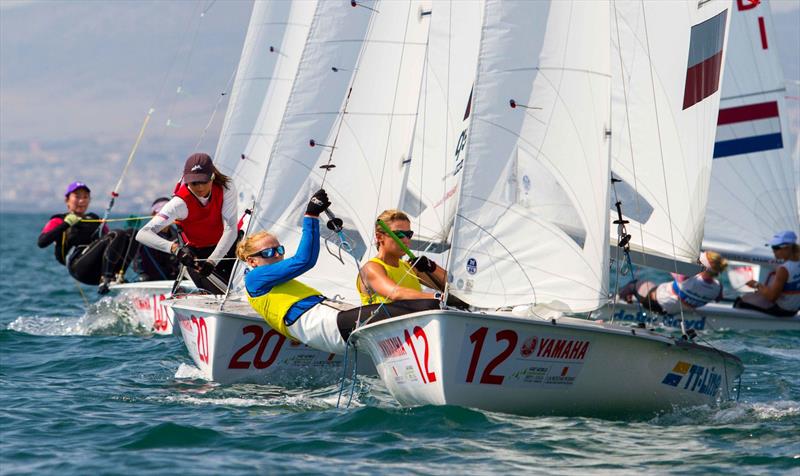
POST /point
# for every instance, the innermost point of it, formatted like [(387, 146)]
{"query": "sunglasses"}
[(778, 247), (270, 252), (403, 233)]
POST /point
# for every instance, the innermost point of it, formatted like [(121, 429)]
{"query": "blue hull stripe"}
[(748, 145)]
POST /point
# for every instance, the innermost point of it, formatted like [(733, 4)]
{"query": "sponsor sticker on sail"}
[(705, 60)]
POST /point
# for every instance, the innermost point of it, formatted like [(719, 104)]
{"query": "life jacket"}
[(274, 305), (203, 226), (402, 274), (695, 291), (789, 299), (81, 233)]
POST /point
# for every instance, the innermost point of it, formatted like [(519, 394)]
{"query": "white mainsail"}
[(667, 66), (274, 43), (377, 79), (553, 249), (433, 170), (753, 182)]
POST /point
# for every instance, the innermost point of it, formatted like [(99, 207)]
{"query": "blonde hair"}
[(388, 216), (716, 262), (247, 248)]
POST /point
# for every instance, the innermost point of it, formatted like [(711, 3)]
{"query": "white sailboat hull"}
[(237, 345), (711, 317), (517, 365), (147, 301)]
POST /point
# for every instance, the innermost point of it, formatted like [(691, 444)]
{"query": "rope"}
[(115, 192), (111, 220)]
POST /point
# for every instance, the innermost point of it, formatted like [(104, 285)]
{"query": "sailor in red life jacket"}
[(204, 207), (780, 296), (689, 293)]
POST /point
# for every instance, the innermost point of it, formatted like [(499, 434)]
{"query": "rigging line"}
[(182, 76), (661, 152), (115, 192), (394, 105), (637, 204), (216, 108), (761, 93)]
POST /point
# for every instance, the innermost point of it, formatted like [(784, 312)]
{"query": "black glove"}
[(185, 256), (424, 265), (204, 268), (319, 203)]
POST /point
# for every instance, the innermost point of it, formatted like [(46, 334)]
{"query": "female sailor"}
[(152, 265), (91, 255), (386, 277), (780, 296), (291, 307), (204, 208), (688, 293)]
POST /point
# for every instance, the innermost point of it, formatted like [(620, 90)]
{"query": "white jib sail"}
[(667, 69), (441, 132), (531, 225), (275, 39), (373, 141), (753, 181)]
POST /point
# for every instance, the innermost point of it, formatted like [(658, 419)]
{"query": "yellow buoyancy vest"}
[(274, 305), (403, 275)]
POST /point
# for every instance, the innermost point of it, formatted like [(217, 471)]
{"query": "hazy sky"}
[(77, 78)]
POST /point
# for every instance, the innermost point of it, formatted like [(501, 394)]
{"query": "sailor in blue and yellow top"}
[(289, 306)]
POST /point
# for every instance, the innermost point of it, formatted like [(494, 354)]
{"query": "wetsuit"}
[(86, 255), (154, 265)]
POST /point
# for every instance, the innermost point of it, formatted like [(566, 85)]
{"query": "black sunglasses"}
[(403, 233), (270, 252), (777, 247)]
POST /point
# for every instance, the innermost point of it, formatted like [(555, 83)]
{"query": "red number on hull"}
[(258, 359), (427, 375), (477, 338), (202, 338)]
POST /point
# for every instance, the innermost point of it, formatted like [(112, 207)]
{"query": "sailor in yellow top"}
[(387, 278), (294, 309)]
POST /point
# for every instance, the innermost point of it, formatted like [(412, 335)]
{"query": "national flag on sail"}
[(747, 129), (705, 60)]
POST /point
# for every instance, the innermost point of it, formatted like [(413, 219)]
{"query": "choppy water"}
[(88, 392)]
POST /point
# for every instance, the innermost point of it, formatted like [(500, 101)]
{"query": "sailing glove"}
[(71, 219), (319, 203), (185, 256), (205, 268), (424, 265)]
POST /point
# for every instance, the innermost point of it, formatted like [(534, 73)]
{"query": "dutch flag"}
[(747, 129)]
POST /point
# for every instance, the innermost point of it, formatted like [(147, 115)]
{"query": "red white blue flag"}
[(705, 60), (747, 129)]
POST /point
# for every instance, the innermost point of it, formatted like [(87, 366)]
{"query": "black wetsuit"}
[(88, 257)]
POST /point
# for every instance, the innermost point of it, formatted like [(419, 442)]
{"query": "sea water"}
[(85, 390)]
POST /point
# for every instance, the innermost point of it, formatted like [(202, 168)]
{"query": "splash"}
[(106, 317)]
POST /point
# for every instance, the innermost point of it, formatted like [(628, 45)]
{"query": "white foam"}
[(758, 411), (108, 316), (187, 371)]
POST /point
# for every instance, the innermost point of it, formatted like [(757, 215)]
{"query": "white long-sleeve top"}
[(176, 209)]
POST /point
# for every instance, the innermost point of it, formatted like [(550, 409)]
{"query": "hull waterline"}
[(711, 317), (566, 367), (237, 345)]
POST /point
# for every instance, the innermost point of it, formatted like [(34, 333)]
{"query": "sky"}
[(78, 77)]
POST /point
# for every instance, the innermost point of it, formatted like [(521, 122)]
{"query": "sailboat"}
[(365, 59), (530, 239), (753, 187)]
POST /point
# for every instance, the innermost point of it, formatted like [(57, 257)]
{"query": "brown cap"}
[(198, 168)]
